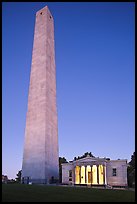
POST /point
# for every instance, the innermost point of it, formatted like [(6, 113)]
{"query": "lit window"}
[(114, 172)]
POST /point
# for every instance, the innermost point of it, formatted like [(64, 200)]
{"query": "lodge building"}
[(95, 171)]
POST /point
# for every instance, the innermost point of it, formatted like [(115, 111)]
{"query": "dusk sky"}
[(95, 73)]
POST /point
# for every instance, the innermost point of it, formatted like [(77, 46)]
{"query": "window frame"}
[(114, 172)]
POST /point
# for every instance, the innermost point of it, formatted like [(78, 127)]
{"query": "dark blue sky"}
[(95, 54)]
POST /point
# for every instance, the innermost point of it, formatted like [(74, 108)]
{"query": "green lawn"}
[(39, 193)]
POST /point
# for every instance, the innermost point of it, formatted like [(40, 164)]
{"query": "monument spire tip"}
[(45, 8)]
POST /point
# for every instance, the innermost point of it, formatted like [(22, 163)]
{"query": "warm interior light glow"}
[(83, 175), (101, 180), (77, 175), (94, 174), (88, 174)]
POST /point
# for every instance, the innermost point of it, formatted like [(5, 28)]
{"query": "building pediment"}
[(89, 159)]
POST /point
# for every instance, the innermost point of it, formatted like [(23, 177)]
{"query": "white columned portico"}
[(90, 173)]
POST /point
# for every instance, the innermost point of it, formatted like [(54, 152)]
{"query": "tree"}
[(132, 162), (131, 171), (18, 178), (61, 161), (84, 155)]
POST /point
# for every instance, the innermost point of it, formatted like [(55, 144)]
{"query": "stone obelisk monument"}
[(40, 158)]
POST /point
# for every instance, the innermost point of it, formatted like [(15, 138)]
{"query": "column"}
[(91, 174), (97, 173), (80, 174), (73, 176), (85, 174), (105, 175), (77, 174)]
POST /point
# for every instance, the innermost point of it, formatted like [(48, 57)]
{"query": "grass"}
[(39, 193)]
